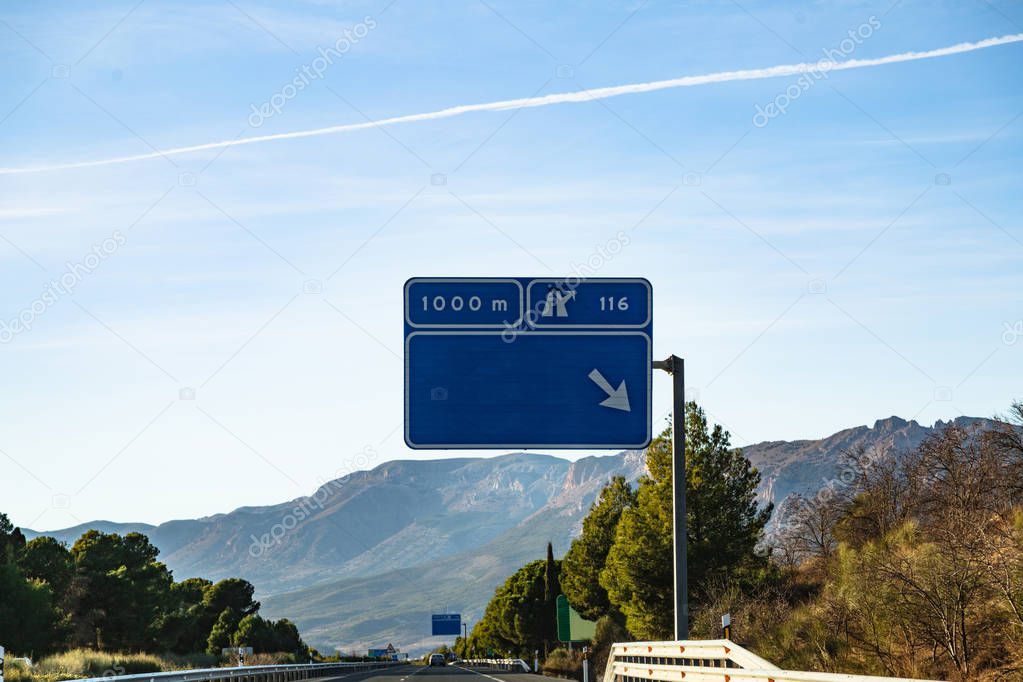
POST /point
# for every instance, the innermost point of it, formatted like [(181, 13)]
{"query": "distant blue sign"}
[(447, 624), (527, 363)]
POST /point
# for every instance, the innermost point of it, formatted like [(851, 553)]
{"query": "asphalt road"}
[(449, 673)]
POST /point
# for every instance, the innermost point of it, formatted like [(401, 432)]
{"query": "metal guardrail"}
[(502, 663), (713, 660), (252, 673)]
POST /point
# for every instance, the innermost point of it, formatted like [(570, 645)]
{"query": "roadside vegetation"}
[(65, 608), (906, 564), (84, 663)]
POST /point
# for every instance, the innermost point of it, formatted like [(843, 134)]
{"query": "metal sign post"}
[(675, 366)]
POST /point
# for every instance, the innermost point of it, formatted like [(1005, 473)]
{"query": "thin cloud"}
[(546, 100)]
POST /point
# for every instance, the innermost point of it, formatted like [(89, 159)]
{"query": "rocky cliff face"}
[(805, 466)]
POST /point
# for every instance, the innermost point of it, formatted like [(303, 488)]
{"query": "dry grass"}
[(83, 663)]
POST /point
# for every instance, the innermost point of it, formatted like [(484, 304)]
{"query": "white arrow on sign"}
[(617, 398)]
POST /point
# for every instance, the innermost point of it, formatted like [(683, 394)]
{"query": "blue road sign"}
[(447, 624), (527, 363)]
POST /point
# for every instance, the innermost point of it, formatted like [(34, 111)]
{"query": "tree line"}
[(908, 563), (618, 572), (110, 592)]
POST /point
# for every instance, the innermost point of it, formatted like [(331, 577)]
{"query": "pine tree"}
[(582, 565), (551, 590), (725, 525)]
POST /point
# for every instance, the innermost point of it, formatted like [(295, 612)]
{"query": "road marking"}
[(418, 670), (477, 672)]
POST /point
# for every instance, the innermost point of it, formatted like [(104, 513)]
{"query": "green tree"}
[(725, 525), (28, 621), (551, 590), (12, 540), (119, 592), (233, 593), (223, 631), (184, 628), (110, 592), (47, 559), (255, 631), (267, 636), (582, 565), (518, 617), (287, 638), (638, 572)]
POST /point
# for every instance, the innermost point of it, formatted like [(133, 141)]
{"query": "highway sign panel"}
[(447, 624), (527, 363), (571, 626)]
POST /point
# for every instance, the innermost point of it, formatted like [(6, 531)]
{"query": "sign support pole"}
[(675, 366)]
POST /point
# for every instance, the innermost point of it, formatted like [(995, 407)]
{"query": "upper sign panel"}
[(598, 303)]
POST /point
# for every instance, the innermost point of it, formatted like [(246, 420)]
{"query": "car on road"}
[(437, 659)]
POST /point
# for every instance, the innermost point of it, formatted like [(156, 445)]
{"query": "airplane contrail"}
[(547, 100)]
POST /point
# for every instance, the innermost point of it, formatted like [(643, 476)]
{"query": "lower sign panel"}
[(531, 390)]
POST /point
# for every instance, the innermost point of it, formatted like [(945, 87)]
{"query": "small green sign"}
[(571, 626)]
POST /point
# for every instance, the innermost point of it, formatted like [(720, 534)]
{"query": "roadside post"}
[(675, 366), (586, 664), (1, 664), (726, 626)]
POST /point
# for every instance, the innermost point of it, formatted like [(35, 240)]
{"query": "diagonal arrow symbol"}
[(617, 398)]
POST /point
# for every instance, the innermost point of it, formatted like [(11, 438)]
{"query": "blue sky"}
[(856, 257)]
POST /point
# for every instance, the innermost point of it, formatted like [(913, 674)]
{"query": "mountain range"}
[(365, 559)]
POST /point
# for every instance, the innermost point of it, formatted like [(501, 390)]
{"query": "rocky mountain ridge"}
[(367, 557)]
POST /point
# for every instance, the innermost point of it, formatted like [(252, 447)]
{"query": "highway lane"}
[(449, 673), (479, 674)]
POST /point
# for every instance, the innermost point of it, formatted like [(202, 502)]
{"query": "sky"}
[(195, 331)]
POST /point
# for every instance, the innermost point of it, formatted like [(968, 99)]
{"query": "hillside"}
[(805, 466), (366, 558)]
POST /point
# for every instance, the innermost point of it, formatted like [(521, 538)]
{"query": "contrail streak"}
[(547, 100)]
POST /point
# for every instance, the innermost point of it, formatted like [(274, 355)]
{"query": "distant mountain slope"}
[(806, 466), (69, 535), (366, 558), (396, 605), (397, 515)]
